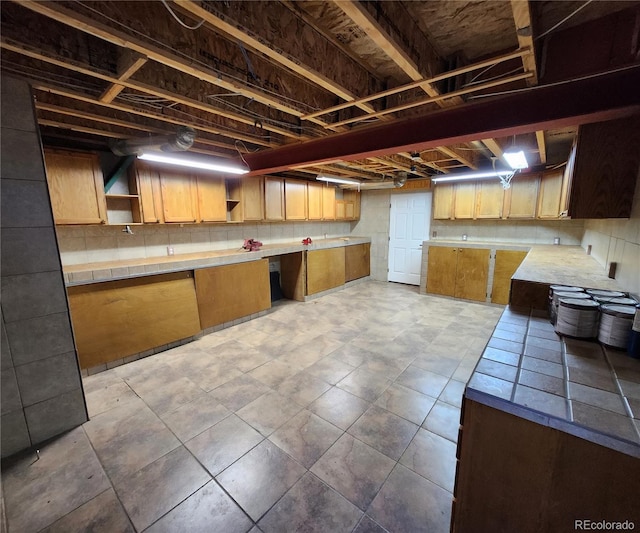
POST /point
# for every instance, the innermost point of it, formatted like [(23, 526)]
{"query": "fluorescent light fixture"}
[(337, 179), (193, 163), (471, 176), (516, 160)]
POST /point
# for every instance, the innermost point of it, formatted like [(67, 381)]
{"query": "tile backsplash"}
[(90, 244), (522, 231)]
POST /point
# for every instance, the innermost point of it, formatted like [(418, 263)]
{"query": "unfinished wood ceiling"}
[(251, 76)]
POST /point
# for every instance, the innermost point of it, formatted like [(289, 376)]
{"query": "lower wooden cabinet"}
[(325, 269), (115, 319), (229, 292), (357, 261), (458, 272), (507, 262)]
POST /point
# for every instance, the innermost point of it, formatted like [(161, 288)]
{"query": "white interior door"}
[(408, 227)]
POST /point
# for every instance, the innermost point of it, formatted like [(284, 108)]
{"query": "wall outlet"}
[(170, 250), (556, 240), (464, 236), (434, 234)]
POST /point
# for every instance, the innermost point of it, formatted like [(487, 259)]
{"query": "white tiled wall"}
[(374, 223), (90, 244), (618, 240)]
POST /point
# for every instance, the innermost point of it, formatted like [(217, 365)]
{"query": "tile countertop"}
[(576, 386), (122, 269)]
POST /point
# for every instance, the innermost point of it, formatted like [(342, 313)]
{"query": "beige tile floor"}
[(336, 415)]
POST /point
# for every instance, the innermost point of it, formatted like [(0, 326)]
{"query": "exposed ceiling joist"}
[(552, 106), (359, 14), (495, 149), (542, 147), (156, 53), (128, 64), (459, 155), (259, 43), (522, 18)]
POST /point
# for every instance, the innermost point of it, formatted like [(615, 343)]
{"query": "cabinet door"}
[(441, 270), (76, 187), (352, 205), (606, 169), (148, 189), (464, 203), (179, 199), (489, 199), (357, 261), (314, 200), (443, 201), (472, 274), (212, 199), (522, 197), (229, 292), (325, 269), (328, 203), (253, 198), (550, 194), (340, 210), (507, 262), (295, 200), (273, 198)]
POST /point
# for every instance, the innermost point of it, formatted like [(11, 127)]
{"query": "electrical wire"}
[(165, 3), (564, 20), (554, 84), (193, 60)]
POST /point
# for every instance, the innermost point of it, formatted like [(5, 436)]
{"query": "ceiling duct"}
[(400, 179), (179, 142)]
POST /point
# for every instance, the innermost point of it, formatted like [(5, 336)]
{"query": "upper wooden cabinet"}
[(76, 187), (521, 198), (179, 196), (295, 196), (464, 200), (328, 203), (550, 194), (314, 200), (489, 199), (147, 186), (253, 198), (273, 198), (443, 201), (351, 204), (212, 200), (604, 177)]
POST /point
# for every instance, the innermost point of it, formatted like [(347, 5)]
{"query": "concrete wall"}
[(41, 388), (618, 240)]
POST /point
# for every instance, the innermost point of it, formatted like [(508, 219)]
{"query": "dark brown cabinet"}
[(605, 171)]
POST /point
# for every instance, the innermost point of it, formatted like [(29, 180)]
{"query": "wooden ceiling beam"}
[(495, 149), (239, 32), (27, 51), (42, 106), (357, 12), (571, 103), (431, 99), (128, 64), (542, 147), (458, 155), (55, 11), (522, 17)]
